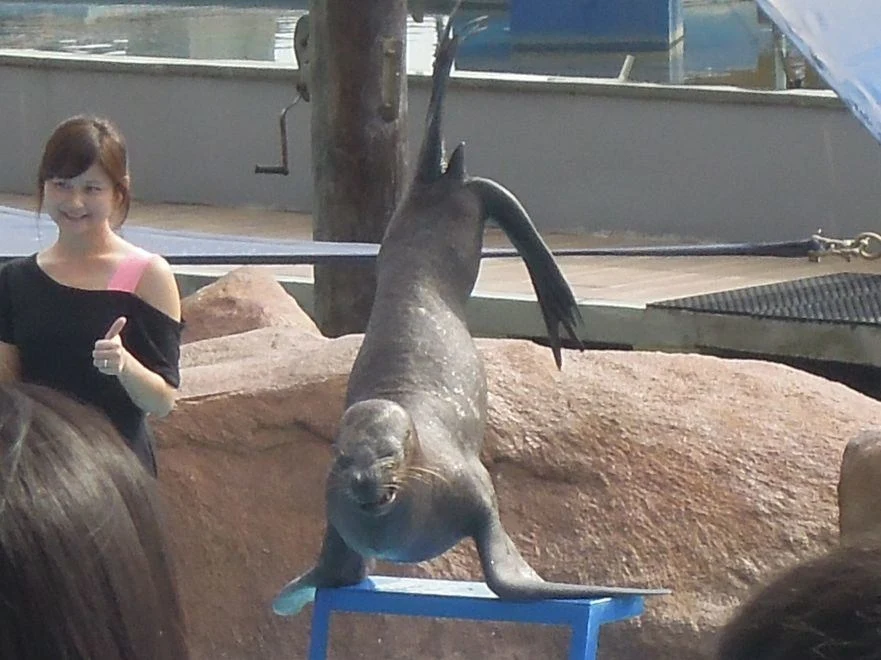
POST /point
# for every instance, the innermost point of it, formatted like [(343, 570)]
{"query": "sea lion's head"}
[(371, 452)]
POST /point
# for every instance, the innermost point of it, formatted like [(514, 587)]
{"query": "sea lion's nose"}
[(362, 484)]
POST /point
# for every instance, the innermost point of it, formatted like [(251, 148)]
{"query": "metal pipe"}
[(282, 125), (624, 74)]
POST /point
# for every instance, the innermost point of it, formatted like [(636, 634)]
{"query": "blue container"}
[(596, 24)]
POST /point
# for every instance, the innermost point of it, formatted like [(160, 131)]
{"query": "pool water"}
[(725, 42)]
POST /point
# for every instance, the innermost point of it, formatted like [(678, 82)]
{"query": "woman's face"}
[(83, 203)]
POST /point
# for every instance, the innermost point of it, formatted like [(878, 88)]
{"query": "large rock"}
[(696, 473), (244, 299), (859, 497)]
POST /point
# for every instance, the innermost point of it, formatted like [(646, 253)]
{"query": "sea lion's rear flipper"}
[(338, 565), (429, 164), (510, 577), (557, 302)]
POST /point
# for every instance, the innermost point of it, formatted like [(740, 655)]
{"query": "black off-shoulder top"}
[(55, 327)]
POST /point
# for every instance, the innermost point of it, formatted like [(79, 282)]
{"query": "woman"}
[(93, 315)]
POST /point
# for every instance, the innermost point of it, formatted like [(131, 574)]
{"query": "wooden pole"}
[(359, 143)]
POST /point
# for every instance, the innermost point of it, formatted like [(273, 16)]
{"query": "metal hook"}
[(283, 130), (866, 245)]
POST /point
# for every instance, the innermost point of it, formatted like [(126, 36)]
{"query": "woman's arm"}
[(147, 389), (10, 363)]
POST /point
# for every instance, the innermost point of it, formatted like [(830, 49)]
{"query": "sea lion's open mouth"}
[(386, 498)]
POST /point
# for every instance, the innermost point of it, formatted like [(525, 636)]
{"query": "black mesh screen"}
[(841, 297)]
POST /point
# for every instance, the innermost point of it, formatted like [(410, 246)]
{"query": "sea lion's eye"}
[(343, 461)]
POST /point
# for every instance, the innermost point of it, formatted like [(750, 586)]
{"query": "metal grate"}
[(837, 298)]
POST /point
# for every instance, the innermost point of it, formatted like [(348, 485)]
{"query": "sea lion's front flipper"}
[(510, 577), (338, 565), (557, 302)]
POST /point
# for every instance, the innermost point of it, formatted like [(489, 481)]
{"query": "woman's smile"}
[(74, 202)]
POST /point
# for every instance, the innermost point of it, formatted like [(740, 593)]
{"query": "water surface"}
[(725, 42)]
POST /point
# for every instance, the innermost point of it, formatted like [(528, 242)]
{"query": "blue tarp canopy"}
[(842, 40)]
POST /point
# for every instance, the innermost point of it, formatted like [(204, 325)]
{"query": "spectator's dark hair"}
[(826, 608), (84, 569)]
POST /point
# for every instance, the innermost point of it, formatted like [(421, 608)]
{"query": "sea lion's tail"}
[(430, 163), (557, 302)]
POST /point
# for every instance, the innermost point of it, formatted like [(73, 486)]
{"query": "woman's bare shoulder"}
[(158, 287)]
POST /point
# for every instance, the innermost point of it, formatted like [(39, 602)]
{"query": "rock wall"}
[(859, 493), (696, 473)]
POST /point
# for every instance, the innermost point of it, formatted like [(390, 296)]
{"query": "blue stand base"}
[(470, 601), (597, 24)]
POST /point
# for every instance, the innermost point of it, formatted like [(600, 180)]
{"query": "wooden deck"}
[(613, 291)]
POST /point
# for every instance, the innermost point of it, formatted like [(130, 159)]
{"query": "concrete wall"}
[(583, 155)]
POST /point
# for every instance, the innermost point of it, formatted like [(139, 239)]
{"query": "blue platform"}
[(469, 601)]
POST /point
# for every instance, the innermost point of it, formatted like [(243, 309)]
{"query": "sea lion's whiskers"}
[(413, 479), (424, 475), (386, 463)]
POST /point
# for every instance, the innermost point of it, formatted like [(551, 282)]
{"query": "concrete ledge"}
[(635, 326), (466, 80), (827, 342)]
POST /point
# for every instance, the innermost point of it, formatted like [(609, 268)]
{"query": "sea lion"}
[(406, 482)]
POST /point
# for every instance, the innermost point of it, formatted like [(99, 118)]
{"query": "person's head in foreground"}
[(826, 608), (84, 572)]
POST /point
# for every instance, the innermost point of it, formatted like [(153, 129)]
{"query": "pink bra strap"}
[(129, 272)]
